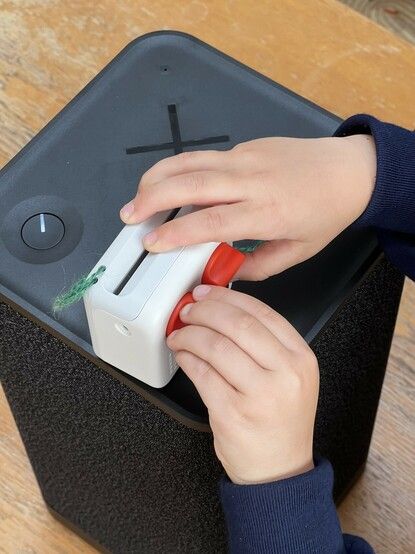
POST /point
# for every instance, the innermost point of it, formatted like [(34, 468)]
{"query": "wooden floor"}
[(396, 15), (49, 49)]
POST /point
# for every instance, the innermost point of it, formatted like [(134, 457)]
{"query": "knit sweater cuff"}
[(291, 515), (392, 205)]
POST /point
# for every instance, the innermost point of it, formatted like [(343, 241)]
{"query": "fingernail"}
[(150, 239), (170, 337), (127, 211), (200, 291), (185, 310)]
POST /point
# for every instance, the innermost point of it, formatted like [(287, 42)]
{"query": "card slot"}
[(124, 282)]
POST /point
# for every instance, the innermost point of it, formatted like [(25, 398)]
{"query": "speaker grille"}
[(136, 480)]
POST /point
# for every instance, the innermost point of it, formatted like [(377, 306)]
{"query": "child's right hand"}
[(258, 378), (298, 194)]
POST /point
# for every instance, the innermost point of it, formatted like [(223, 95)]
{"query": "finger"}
[(196, 188), (274, 321), (214, 390), (187, 162), (241, 327), (270, 258), (230, 361), (214, 224)]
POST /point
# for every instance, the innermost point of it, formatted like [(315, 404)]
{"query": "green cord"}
[(77, 290), (249, 247)]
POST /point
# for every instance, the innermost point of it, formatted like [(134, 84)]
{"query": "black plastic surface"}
[(87, 162)]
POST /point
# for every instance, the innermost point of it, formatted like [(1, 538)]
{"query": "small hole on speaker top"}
[(165, 69)]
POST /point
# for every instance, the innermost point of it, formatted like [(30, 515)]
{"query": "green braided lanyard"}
[(77, 290)]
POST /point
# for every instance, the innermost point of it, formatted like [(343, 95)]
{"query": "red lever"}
[(222, 265), (175, 322), (220, 268)]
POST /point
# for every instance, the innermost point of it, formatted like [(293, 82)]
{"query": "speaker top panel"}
[(165, 93)]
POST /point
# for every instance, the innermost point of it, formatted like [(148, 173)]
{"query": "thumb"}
[(270, 258)]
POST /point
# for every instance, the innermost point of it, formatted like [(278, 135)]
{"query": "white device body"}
[(128, 327)]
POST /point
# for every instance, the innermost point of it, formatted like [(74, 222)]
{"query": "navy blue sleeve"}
[(295, 515), (391, 210)]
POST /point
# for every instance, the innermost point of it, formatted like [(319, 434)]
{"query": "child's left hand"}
[(258, 378)]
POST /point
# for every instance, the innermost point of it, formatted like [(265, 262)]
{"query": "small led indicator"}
[(42, 223)]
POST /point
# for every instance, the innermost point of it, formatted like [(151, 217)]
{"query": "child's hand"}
[(258, 379), (296, 193)]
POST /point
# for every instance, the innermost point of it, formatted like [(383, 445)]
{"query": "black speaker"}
[(130, 467)]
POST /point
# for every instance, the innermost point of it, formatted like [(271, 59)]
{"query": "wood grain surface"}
[(49, 49), (396, 15)]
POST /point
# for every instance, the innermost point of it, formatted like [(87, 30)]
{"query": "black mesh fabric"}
[(353, 350)]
